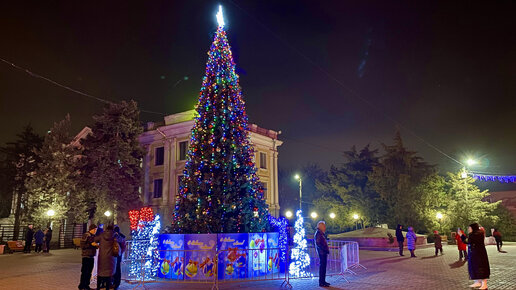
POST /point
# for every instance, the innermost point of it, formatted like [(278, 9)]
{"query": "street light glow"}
[(297, 176), (107, 213), (332, 215), (471, 161), (288, 214), (355, 216), (51, 212), (439, 215), (313, 214)]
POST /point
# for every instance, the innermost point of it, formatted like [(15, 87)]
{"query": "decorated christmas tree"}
[(145, 230), (300, 260), (220, 191)]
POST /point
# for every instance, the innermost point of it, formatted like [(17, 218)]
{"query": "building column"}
[(146, 172), (274, 182)]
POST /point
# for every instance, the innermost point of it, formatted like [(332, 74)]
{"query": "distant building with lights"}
[(166, 146)]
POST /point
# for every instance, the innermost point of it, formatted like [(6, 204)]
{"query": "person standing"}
[(461, 246), (478, 262), (88, 252), (498, 238), (400, 238), (106, 261), (120, 238), (28, 239), (438, 243), (48, 238), (321, 245), (411, 241), (38, 238)]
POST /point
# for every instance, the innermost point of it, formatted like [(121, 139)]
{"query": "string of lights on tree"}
[(500, 178), (281, 224), (144, 256), (300, 260), (220, 190)]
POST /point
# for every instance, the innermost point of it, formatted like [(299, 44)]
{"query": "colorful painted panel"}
[(200, 252), (273, 253), (257, 254), (171, 256), (232, 255)]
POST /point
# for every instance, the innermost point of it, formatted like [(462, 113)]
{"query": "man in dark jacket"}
[(88, 254), (322, 249), (117, 278), (28, 239), (400, 238), (498, 238), (48, 238)]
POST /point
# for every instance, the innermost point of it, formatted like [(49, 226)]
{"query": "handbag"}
[(116, 248)]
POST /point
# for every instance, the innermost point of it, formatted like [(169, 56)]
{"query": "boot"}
[(484, 284)]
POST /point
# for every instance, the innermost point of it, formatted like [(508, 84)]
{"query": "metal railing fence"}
[(236, 265)]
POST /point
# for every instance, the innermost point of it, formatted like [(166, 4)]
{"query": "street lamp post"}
[(298, 177), (50, 214), (439, 216), (355, 217)]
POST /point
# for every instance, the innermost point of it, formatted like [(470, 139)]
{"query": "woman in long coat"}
[(478, 263), (106, 262), (411, 241)]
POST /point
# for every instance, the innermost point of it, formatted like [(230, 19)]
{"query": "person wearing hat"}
[(438, 243), (88, 254)]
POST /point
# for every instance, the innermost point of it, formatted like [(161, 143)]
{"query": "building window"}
[(263, 160), (158, 188), (160, 156), (183, 150), (264, 186)]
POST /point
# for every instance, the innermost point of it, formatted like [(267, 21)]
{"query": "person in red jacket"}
[(461, 245)]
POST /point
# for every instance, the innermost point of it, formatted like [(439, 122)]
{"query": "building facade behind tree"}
[(166, 146)]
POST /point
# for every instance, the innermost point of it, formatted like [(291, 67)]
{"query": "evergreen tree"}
[(53, 184), (465, 202), (112, 169), (349, 184), (21, 161), (220, 191), (398, 179)]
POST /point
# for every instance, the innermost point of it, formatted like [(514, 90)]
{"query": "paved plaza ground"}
[(385, 270)]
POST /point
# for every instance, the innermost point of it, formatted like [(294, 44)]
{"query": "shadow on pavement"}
[(457, 264), (429, 257)]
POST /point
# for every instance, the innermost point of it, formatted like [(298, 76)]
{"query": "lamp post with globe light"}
[(298, 177), (439, 217), (470, 162), (50, 214), (355, 217)]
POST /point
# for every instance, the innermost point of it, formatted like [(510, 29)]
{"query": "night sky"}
[(328, 74)]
